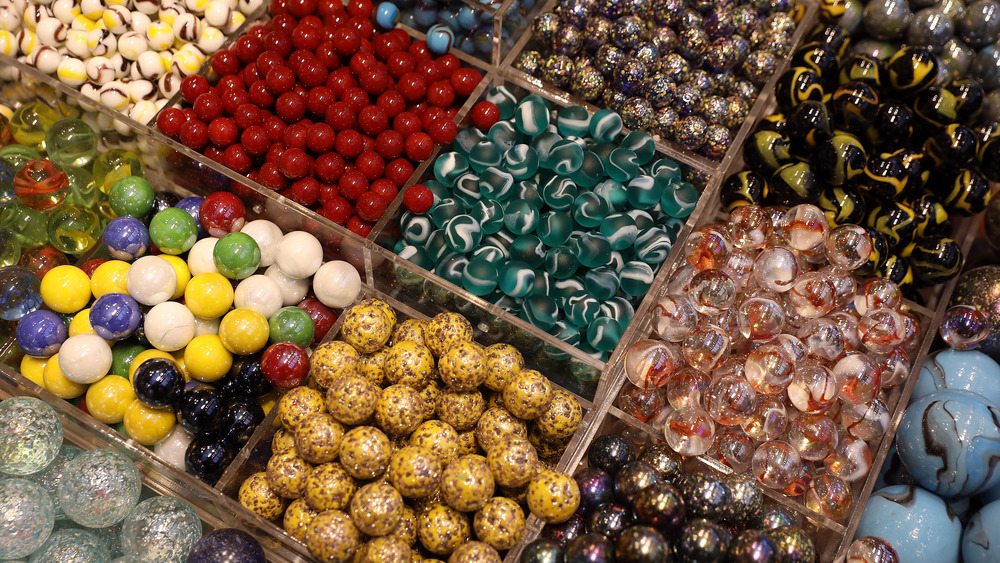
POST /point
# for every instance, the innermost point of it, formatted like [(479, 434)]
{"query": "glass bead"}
[(866, 421), (30, 121), (761, 317), (706, 346), (911, 328), (73, 228), (739, 267), (776, 464), (850, 460), (708, 247), (41, 184), (21, 293), (99, 487), (859, 378), (728, 320), (872, 549), (893, 368), (964, 327), (877, 293), (812, 295), (650, 363), (804, 227), (813, 435), (882, 330), (769, 370), (27, 517), (830, 496), (674, 317), (776, 269), (688, 388), (735, 448), (712, 291), (731, 400), (848, 247), (749, 227), (30, 435), (643, 404), (822, 339), (160, 530), (814, 388), (689, 431), (795, 348), (768, 421)]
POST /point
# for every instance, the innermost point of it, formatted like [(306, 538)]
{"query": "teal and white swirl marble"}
[(589, 209), (416, 255), (573, 121), (520, 216), (503, 135), (521, 161), (528, 249), (620, 230), (449, 167), (593, 250), (602, 282), (480, 276), (643, 220), (451, 266), (517, 279), (614, 193), (605, 126), (559, 193), (416, 229), (492, 253), (495, 184), (561, 262), (619, 309), (591, 172), (489, 214), (437, 245), (463, 233), (445, 210), (504, 99), (636, 278), (531, 117), (653, 245), (666, 171), (642, 144), (466, 139), (540, 310), (485, 154), (466, 190), (621, 165), (643, 192), (604, 333), (582, 308), (566, 157), (679, 199), (554, 228)]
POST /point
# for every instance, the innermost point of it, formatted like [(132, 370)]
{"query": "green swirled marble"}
[(620, 230), (416, 255), (621, 165), (554, 228), (591, 172), (528, 190), (463, 233), (492, 253), (466, 139), (605, 126), (520, 216), (620, 309), (451, 266), (503, 135), (566, 157), (521, 161), (666, 171), (480, 276), (466, 190), (561, 262), (636, 277), (614, 193), (483, 155), (437, 245), (540, 311), (582, 308), (449, 167), (504, 99), (438, 190), (517, 279), (445, 210), (643, 192), (589, 209), (489, 214), (643, 220), (652, 245), (531, 117), (642, 144), (604, 333), (679, 199), (559, 193), (415, 229), (573, 121), (544, 143), (543, 283), (495, 184), (602, 282), (593, 250), (528, 249)]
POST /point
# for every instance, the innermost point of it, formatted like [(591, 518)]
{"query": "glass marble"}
[(689, 431), (674, 317), (26, 517), (877, 293), (731, 400), (812, 295), (49, 477), (73, 228), (822, 339), (848, 247), (769, 369), (761, 317), (871, 549), (964, 327), (768, 421), (776, 269), (227, 545), (41, 259), (72, 545), (813, 435), (866, 421), (814, 388), (29, 123), (28, 225), (112, 165), (776, 464), (688, 388), (21, 293), (30, 435), (99, 488), (918, 524), (10, 248), (71, 142), (804, 227), (160, 530), (850, 460), (830, 496), (859, 378), (41, 184), (712, 291), (706, 346), (6, 184), (707, 248), (651, 363), (735, 448), (643, 404)]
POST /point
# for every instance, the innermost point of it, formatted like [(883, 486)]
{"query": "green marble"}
[(602, 282), (573, 121), (520, 216), (449, 167), (642, 144), (589, 209), (643, 192), (559, 193), (495, 184), (605, 126), (463, 233), (565, 158), (531, 116), (604, 333), (614, 193), (561, 262), (583, 308), (503, 135), (445, 210), (480, 276), (484, 155), (593, 250), (679, 199), (517, 279), (528, 249), (521, 161), (636, 277), (489, 214), (415, 229), (554, 228), (620, 230), (621, 165)]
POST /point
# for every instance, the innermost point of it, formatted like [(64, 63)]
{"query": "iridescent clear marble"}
[(804, 227), (688, 388), (964, 327), (844, 284), (749, 227), (30, 435), (160, 530), (761, 317), (735, 448), (650, 363), (26, 517), (731, 400), (830, 496), (813, 435), (859, 378), (769, 369), (643, 404), (99, 487), (50, 477), (776, 464), (872, 549), (712, 291), (877, 293), (674, 317), (822, 339), (851, 460), (706, 346), (72, 545), (800, 483), (739, 267), (893, 367), (768, 421), (848, 247), (776, 268), (795, 348), (680, 278), (814, 388), (848, 325), (866, 421), (812, 295), (689, 431), (707, 247)]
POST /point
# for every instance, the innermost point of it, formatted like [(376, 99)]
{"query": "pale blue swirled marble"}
[(916, 522), (949, 440), (959, 369), (981, 539)]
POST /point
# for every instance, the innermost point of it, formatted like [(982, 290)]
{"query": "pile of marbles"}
[(62, 503), (180, 299), (774, 354), (129, 55), (688, 71), (53, 187), (319, 107), (935, 474), (409, 431), (551, 215), (644, 508), (455, 23), (883, 144)]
